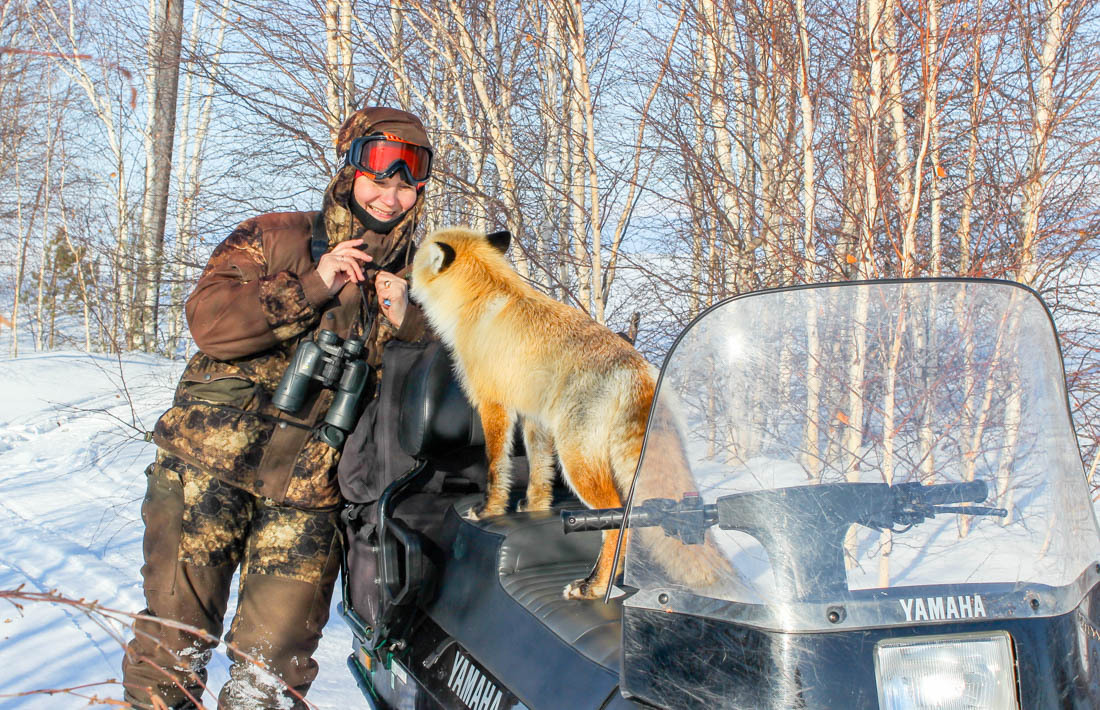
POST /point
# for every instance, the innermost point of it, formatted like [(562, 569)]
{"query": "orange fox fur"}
[(580, 389)]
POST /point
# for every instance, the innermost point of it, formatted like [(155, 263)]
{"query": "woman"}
[(239, 483)]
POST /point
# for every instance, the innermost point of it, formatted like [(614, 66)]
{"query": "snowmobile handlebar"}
[(883, 506), (911, 503), (585, 520), (686, 519), (816, 516), (941, 493)]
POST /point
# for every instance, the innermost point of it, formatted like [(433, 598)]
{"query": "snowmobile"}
[(888, 468)]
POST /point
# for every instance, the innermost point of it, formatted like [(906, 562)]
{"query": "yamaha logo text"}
[(967, 606), (475, 690)]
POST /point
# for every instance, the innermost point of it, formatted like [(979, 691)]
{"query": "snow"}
[(72, 458)]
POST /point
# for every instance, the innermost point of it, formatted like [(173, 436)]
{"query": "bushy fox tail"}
[(666, 474)]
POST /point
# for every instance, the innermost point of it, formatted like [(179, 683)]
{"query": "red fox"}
[(581, 390)]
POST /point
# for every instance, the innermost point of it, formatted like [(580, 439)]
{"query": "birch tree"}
[(45, 266), (1042, 122), (195, 117), (162, 82), (340, 86), (474, 107), (111, 99)]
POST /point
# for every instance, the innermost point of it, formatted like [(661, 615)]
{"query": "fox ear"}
[(440, 256), (500, 240)]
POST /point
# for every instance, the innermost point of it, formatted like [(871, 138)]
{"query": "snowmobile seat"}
[(535, 560), (500, 598)]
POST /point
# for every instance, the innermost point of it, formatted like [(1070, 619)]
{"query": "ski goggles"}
[(383, 155)]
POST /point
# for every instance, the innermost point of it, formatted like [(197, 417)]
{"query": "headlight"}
[(957, 672)]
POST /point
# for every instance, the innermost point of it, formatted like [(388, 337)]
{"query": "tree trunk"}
[(889, 426), (21, 254), (848, 254), (188, 172), (962, 233), (44, 265), (52, 131), (907, 199), (870, 148), (852, 436), (1042, 122), (933, 61), (339, 72), (805, 105), (166, 35), (397, 52)]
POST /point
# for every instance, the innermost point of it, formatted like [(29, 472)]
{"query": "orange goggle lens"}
[(382, 156)]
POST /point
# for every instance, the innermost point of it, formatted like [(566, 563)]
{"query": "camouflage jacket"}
[(260, 295)]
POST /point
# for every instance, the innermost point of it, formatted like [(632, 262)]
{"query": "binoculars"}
[(334, 362)]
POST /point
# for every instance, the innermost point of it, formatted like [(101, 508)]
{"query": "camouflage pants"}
[(198, 530)]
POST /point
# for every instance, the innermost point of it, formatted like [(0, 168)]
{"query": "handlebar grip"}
[(969, 492), (584, 520)]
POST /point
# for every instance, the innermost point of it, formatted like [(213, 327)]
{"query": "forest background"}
[(649, 157)]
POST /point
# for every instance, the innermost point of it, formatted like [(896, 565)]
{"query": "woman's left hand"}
[(393, 296)]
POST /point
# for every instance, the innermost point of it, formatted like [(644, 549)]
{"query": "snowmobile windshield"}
[(863, 454)]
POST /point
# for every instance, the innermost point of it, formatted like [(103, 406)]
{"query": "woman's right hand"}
[(342, 264)]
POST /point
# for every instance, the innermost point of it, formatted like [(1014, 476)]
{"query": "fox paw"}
[(582, 589), (480, 512), (526, 506)]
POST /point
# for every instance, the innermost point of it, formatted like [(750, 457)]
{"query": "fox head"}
[(441, 247), (454, 254), (455, 266)]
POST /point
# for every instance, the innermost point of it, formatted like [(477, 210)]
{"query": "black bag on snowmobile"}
[(417, 446)]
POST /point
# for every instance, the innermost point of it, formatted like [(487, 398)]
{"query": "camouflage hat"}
[(381, 119), (340, 224)]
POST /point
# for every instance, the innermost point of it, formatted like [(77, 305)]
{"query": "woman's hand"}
[(393, 296), (342, 264)]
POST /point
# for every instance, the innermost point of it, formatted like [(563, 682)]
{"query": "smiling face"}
[(386, 199)]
